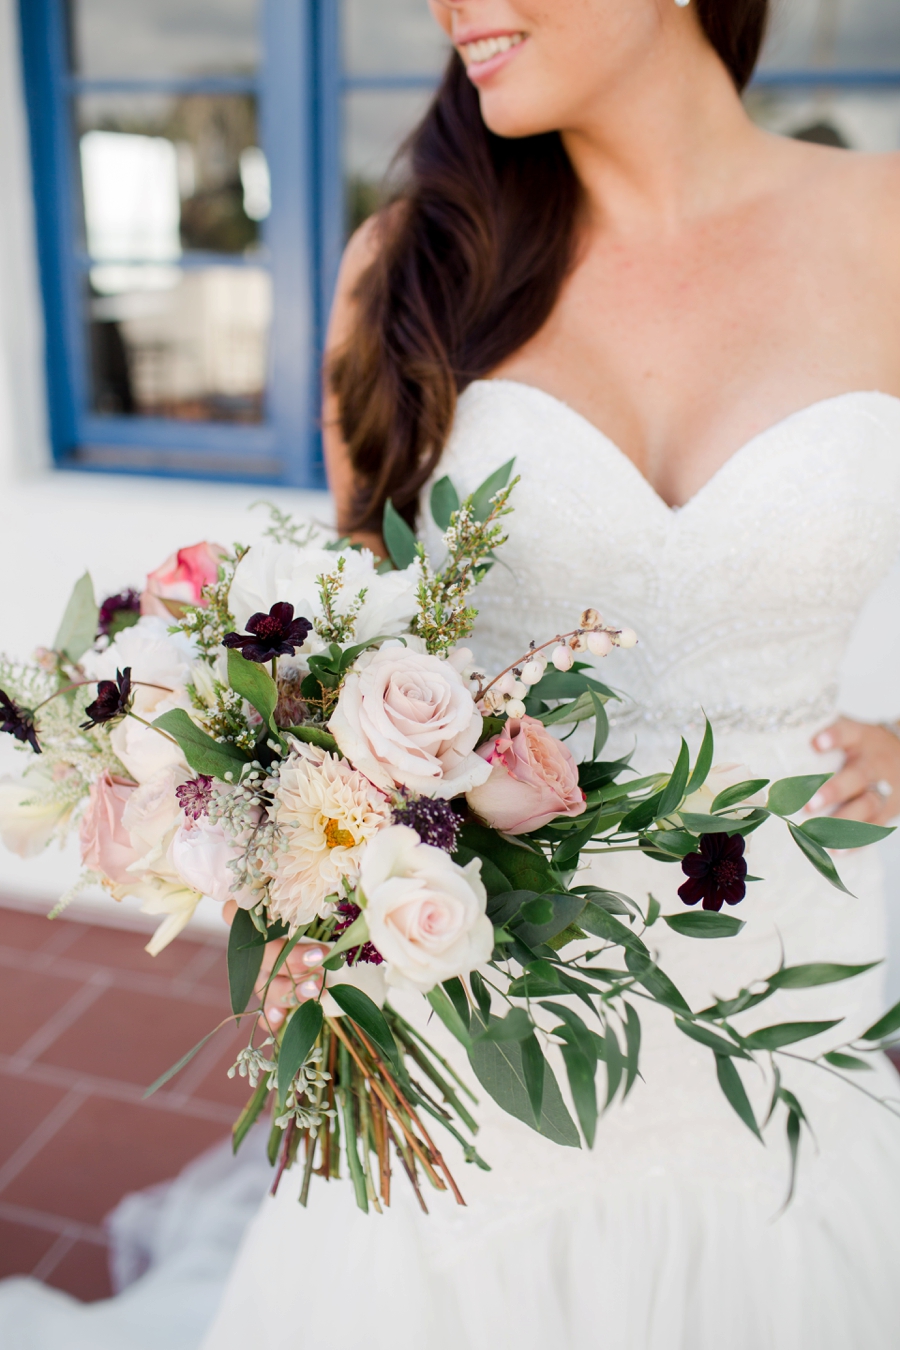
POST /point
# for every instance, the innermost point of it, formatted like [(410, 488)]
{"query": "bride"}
[(685, 331)]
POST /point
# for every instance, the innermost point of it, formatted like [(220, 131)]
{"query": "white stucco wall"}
[(54, 525)]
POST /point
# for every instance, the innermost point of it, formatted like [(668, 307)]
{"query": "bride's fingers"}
[(844, 734), (844, 787), (868, 806)]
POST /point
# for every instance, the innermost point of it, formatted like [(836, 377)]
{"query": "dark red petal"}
[(713, 902), (692, 891), (693, 865)]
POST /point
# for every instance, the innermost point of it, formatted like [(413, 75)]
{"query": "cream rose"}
[(200, 854), (533, 779), (425, 914), (406, 718)]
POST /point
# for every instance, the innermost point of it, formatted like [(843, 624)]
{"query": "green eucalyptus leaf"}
[(482, 995), (789, 795), (524, 867), (656, 982), (78, 627), (400, 541), (443, 1005), (217, 759), (815, 973), (642, 815), (515, 1026), (787, 1033), (246, 947), (176, 1068), (481, 497), (885, 1026), (831, 832), (673, 793), (444, 501), (701, 824), (735, 1092), (601, 724), (739, 793), (704, 760), (615, 1063), (704, 924), (500, 1070), (250, 1114), (817, 856), (534, 1067), (633, 1047), (706, 1036), (653, 908), (850, 1062), (604, 925), (578, 710), (300, 1035), (581, 1073), (369, 1018)]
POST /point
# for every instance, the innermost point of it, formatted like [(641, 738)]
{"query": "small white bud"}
[(520, 689), (507, 684), (579, 643), (532, 672), (515, 708), (590, 619), (600, 644), (562, 658), (627, 638)]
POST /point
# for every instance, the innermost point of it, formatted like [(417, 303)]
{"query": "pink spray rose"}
[(180, 579), (533, 779), (106, 845)]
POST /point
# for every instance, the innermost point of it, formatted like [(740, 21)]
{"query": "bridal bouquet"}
[(299, 730)]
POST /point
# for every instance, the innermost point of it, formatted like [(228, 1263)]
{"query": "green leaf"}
[(698, 1032), (673, 792), (677, 843), (577, 710), (185, 1059), (443, 1005), (642, 815), (787, 1033), (369, 1017), (538, 911), (833, 833), (739, 793), (314, 736), (557, 684), (815, 973), (214, 758), (583, 1086), (604, 925), (851, 1062), (704, 760), (444, 501), (817, 856), (482, 995), (565, 910), (500, 1071), (633, 1047), (735, 1092), (788, 795), (885, 1026), (575, 1029), (246, 947), (656, 982), (601, 724), (399, 538), (515, 1026), (534, 1067), (615, 1062), (653, 908), (300, 1035), (525, 868), (250, 1114), (351, 937), (78, 628), (700, 824), (481, 497), (704, 924), (255, 684)]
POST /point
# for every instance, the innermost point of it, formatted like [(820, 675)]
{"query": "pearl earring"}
[(682, 4)]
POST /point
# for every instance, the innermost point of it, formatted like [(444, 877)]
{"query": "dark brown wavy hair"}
[(469, 266)]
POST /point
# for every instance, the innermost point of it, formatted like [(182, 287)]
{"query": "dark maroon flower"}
[(270, 635), (367, 953), (118, 612), (717, 874), (113, 700), (195, 796), (18, 722), (434, 820)]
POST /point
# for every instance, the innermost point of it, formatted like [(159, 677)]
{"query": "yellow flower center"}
[(335, 837)]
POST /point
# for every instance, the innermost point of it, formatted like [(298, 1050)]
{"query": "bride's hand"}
[(299, 979), (867, 787)]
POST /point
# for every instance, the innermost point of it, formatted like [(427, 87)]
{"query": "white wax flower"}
[(425, 914)]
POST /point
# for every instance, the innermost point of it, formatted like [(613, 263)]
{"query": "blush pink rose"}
[(106, 845), (180, 579), (533, 779)]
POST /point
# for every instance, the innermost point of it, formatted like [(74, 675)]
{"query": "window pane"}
[(145, 38), (185, 344), (163, 173), (858, 33), (375, 125), (392, 37)]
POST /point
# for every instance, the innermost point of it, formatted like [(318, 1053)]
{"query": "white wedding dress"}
[(666, 1236)]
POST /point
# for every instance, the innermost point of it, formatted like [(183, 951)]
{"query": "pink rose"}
[(533, 779), (105, 843), (180, 580)]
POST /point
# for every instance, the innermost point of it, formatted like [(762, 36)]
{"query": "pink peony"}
[(180, 580), (533, 779), (106, 845)]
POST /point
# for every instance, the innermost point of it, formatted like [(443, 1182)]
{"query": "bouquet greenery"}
[(298, 729)]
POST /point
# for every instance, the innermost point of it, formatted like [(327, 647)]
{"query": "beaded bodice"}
[(743, 599)]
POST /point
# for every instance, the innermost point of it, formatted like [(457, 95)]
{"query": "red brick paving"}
[(87, 1021)]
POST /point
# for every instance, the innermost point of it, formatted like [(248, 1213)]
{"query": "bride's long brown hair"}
[(469, 267)]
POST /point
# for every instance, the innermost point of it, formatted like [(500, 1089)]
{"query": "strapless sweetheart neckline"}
[(730, 465)]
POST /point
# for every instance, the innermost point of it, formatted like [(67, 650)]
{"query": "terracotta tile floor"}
[(87, 1021)]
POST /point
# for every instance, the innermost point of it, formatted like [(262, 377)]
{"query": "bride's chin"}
[(512, 113)]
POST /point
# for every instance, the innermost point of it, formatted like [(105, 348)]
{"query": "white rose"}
[(407, 718), (28, 821), (269, 573), (200, 854), (152, 813), (425, 913)]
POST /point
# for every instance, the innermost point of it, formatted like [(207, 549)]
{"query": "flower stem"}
[(143, 721)]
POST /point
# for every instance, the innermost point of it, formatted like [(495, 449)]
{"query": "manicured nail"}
[(276, 1015), (825, 740), (309, 989), (816, 803), (312, 956)]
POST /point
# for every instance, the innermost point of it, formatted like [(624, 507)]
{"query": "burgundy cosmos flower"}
[(18, 722), (277, 633), (118, 612), (717, 874), (113, 700), (367, 953)]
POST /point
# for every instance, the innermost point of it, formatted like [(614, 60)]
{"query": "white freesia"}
[(269, 573), (425, 914), (29, 819), (162, 665), (406, 718)]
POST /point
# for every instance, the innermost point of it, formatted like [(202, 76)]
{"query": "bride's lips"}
[(486, 53)]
